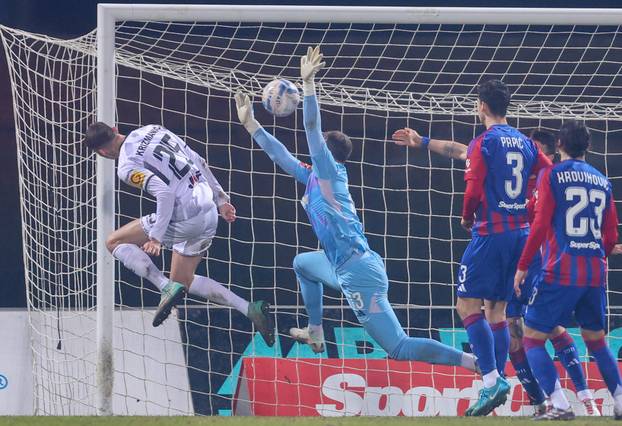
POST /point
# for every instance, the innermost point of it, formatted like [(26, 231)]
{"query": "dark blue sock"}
[(526, 378), (501, 336), (606, 363), (541, 364), (481, 340), (567, 353)]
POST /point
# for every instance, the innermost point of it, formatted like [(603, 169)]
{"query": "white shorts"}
[(190, 237)]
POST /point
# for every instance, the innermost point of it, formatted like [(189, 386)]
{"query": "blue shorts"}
[(489, 264), (517, 306), (554, 304)]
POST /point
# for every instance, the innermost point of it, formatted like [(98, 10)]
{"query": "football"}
[(280, 97)]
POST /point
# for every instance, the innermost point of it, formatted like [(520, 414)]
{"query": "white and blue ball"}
[(280, 97)]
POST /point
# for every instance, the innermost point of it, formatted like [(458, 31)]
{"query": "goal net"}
[(183, 75)]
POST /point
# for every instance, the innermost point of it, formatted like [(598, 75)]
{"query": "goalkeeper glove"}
[(310, 64), (245, 113)]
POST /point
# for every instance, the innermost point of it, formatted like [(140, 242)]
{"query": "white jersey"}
[(156, 160)]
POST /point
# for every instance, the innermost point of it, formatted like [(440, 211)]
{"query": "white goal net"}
[(379, 77)]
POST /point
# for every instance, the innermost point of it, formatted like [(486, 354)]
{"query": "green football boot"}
[(490, 398), (259, 314), (172, 294)]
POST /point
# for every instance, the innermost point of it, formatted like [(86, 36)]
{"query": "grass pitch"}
[(284, 421)]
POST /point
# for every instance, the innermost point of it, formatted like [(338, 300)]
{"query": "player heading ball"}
[(189, 199)]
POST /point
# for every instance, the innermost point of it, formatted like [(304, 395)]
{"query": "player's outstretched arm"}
[(271, 145), (324, 163), (450, 149)]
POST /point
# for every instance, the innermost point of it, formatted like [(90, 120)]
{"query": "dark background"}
[(67, 19)]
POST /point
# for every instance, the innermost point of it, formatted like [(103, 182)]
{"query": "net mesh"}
[(378, 78)]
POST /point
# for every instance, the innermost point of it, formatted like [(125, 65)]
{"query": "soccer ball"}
[(280, 97)]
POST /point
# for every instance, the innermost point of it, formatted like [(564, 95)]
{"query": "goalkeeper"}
[(347, 263), (188, 198)]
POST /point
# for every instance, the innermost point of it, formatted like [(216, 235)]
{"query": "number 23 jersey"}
[(153, 152)]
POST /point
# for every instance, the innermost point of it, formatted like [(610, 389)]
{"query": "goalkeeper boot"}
[(490, 398), (313, 337), (259, 314), (172, 294)]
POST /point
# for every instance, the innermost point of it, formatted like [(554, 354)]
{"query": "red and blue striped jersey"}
[(576, 218), (499, 164)]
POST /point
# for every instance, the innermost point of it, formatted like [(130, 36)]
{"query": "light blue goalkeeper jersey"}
[(327, 199)]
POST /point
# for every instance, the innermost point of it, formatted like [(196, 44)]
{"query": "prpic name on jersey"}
[(581, 176), (145, 142), (511, 142)]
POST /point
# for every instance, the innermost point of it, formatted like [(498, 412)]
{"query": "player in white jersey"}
[(188, 198)]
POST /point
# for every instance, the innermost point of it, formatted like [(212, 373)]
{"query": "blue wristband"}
[(425, 141)]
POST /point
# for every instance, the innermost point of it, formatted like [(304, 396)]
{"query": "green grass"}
[(282, 421)]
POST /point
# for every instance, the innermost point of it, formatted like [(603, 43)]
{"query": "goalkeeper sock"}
[(501, 337), (566, 351), (139, 262), (215, 292), (525, 376), (607, 364), (481, 340)]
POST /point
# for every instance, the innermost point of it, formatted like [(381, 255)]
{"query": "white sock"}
[(558, 398), (468, 361), (585, 394), (215, 292), (617, 398), (137, 261), (491, 378)]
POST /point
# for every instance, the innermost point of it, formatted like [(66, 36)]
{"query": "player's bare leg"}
[(182, 275), (125, 245), (182, 271), (523, 370)]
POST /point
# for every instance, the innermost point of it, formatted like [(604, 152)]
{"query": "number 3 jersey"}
[(156, 160), (575, 217), (499, 164)]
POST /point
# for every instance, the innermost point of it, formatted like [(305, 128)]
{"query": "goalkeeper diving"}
[(188, 200), (346, 263)]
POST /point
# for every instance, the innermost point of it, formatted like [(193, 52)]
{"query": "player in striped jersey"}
[(499, 163), (188, 202), (576, 218), (564, 345)]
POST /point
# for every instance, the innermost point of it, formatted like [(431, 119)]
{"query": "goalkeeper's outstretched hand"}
[(407, 137), (310, 64), (245, 112)]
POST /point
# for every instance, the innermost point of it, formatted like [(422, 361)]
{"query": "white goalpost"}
[(179, 66)]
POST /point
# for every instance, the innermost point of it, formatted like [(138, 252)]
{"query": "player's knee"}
[(112, 242), (515, 325), (299, 264), (591, 335)]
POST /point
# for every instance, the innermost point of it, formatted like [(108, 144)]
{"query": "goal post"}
[(179, 65)]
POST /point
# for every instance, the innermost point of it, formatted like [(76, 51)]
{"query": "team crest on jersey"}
[(137, 178)]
